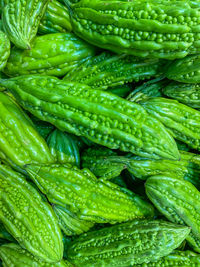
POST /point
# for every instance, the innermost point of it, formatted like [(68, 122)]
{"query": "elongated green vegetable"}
[(152, 88), (179, 201), (50, 54), (185, 70), (103, 118), (28, 218), (127, 244), (150, 28), (21, 19), (56, 19), (109, 70), (70, 223), (4, 233), (188, 94), (86, 196), (4, 49), (120, 90), (176, 258), (20, 143), (181, 120), (13, 255)]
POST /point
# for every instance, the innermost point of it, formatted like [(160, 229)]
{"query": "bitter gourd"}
[(127, 244), (70, 223), (179, 201), (188, 94), (4, 233), (176, 258), (21, 20), (86, 196), (56, 19), (50, 54), (185, 70), (109, 70), (101, 117), (120, 90), (4, 49), (28, 218), (64, 148), (182, 121), (152, 88), (98, 161), (20, 143), (13, 255), (150, 28)]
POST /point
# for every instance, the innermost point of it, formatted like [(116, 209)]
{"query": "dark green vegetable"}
[(109, 70), (127, 244), (186, 93), (56, 19), (103, 118), (121, 90), (64, 148)]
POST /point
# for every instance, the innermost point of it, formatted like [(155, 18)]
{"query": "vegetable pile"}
[(99, 133)]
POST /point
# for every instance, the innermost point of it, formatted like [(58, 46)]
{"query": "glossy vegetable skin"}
[(103, 118)]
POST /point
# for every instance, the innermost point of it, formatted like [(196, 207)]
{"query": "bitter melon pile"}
[(99, 133)]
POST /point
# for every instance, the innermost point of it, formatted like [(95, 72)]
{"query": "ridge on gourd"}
[(70, 223), (56, 19), (21, 20), (126, 244), (4, 50), (35, 228), (102, 117), (18, 135), (13, 255), (176, 258), (185, 70), (98, 161), (149, 28), (179, 201), (109, 70), (152, 88), (64, 148), (86, 196), (51, 54), (188, 94), (181, 121), (4, 233)]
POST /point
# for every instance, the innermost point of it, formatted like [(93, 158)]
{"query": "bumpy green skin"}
[(51, 54), (28, 218), (148, 29), (4, 233), (176, 258), (70, 223), (20, 143), (181, 120), (13, 255), (121, 90), (126, 244), (185, 70), (4, 49), (148, 89), (64, 148), (179, 201), (86, 196), (55, 19), (21, 20), (103, 118), (188, 94), (109, 70), (97, 160)]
